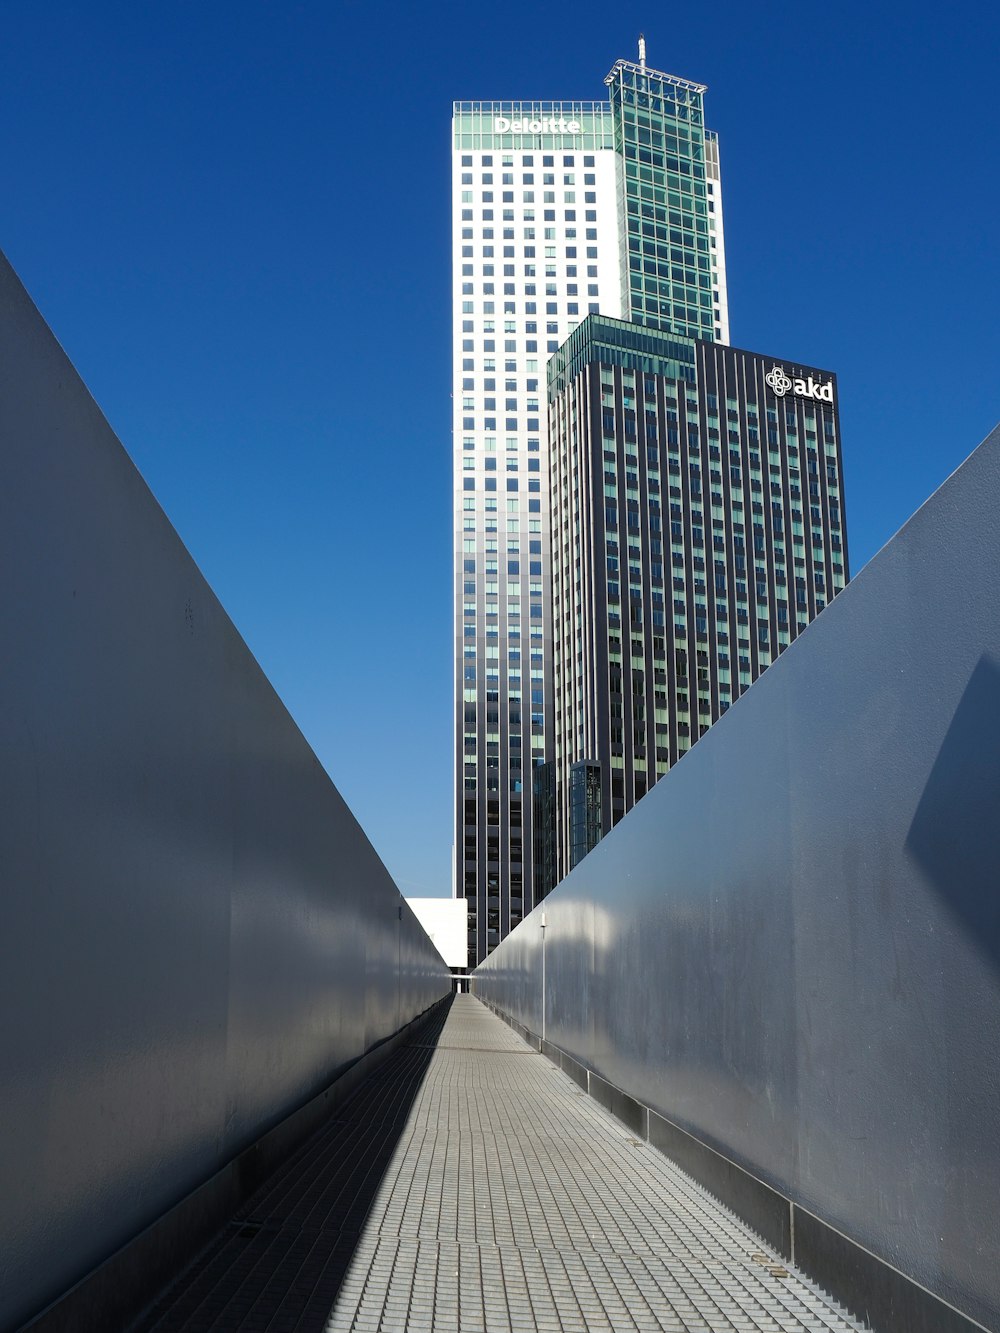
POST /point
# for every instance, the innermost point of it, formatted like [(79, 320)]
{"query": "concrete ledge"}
[(871, 1289), (115, 1293), (552, 1052), (578, 1073), (620, 1104), (761, 1207)]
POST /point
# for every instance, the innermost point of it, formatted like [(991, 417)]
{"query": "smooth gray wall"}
[(791, 947), (196, 933)]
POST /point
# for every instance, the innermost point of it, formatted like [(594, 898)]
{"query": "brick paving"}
[(472, 1187)]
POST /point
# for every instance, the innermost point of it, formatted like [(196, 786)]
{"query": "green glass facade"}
[(667, 261), (615, 342)]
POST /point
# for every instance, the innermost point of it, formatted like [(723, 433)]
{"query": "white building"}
[(444, 921)]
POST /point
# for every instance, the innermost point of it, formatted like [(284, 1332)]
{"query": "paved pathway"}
[(473, 1186)]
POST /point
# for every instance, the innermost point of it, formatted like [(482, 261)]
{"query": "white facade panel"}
[(444, 921)]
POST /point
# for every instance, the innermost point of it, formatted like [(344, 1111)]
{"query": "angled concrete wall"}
[(197, 935), (791, 948)]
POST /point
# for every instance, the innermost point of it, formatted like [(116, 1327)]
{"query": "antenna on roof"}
[(642, 51)]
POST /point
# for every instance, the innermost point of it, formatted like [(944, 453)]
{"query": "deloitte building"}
[(561, 210)]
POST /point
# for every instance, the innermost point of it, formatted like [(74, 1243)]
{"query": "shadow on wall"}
[(955, 834)]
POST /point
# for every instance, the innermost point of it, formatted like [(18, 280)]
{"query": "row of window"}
[(488, 288), (490, 464), (510, 308), (528, 160), (551, 235), (527, 197), (528, 178), (548, 215), (552, 276)]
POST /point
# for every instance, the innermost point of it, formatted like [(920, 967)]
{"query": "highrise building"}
[(560, 209), (697, 528)]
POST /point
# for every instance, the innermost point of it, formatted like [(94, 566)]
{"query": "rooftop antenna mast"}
[(642, 51)]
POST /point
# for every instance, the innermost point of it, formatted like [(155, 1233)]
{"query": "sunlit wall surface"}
[(197, 935)]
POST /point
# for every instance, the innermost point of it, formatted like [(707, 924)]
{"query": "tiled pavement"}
[(471, 1185)]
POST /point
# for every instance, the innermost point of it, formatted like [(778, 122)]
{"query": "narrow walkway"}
[(502, 1198)]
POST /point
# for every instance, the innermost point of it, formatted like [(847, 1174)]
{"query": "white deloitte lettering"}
[(548, 125), (778, 380)]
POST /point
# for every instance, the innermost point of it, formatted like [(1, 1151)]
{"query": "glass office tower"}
[(560, 210), (697, 527), (672, 254)]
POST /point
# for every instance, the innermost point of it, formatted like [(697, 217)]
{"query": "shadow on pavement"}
[(280, 1262)]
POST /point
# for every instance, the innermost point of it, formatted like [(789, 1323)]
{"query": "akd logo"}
[(778, 380)]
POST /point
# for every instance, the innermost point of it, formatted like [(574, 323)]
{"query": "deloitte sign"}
[(781, 383), (546, 125)]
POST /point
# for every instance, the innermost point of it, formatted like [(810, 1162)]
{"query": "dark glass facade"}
[(697, 522), (545, 858), (585, 819)]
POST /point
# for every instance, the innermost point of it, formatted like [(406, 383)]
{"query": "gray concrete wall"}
[(791, 947), (196, 933)]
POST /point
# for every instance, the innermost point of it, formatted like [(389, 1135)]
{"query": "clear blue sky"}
[(236, 219)]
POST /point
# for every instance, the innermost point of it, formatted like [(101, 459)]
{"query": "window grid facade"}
[(697, 528), (672, 261), (537, 248)]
